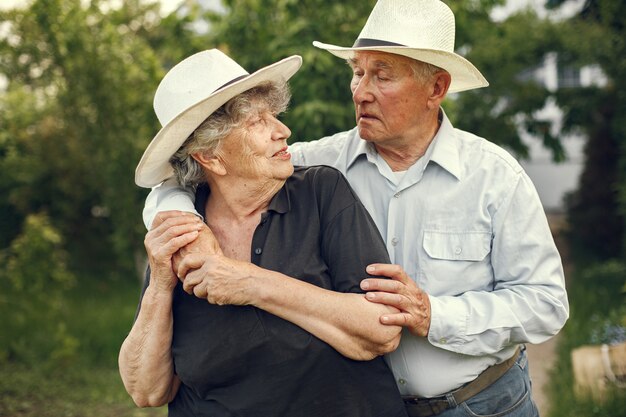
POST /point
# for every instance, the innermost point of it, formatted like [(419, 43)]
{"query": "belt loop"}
[(451, 400)]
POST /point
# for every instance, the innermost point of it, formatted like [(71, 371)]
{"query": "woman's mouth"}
[(282, 154)]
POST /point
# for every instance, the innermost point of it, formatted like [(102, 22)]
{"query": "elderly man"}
[(477, 272)]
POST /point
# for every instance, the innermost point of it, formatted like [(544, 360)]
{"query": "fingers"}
[(381, 284), (419, 325), (164, 215), (400, 292), (392, 271), (188, 263), (167, 244), (171, 235), (398, 301), (397, 319)]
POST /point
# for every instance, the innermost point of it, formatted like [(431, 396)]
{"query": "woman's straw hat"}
[(189, 93)]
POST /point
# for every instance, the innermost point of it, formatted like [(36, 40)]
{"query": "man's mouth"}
[(367, 116)]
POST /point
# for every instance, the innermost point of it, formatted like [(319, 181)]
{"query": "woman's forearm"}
[(346, 321), (145, 359)]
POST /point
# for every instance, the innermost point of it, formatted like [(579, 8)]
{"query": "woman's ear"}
[(210, 162)]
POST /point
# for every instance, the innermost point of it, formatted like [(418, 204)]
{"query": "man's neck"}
[(401, 155)]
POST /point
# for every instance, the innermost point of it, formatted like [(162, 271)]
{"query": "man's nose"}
[(362, 90)]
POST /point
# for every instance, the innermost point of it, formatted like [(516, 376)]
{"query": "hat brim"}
[(465, 76), (154, 166)]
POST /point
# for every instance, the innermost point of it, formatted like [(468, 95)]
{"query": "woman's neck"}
[(239, 199)]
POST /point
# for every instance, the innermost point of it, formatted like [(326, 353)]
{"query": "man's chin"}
[(366, 134)]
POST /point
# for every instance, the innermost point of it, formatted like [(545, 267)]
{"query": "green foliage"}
[(598, 207), (78, 105), (77, 114), (258, 32), (32, 288), (505, 52)]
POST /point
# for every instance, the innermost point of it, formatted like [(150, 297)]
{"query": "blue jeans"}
[(509, 396)]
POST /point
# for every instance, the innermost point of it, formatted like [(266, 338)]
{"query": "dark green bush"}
[(33, 284)]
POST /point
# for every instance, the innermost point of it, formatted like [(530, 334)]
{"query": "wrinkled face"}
[(258, 149), (389, 101)]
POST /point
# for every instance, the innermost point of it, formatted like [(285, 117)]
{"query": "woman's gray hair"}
[(232, 115)]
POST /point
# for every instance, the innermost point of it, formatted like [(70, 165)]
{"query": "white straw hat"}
[(420, 29), (189, 93)]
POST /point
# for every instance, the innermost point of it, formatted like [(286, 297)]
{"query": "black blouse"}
[(243, 361)]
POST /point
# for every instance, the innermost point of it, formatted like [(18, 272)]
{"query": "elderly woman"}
[(273, 324)]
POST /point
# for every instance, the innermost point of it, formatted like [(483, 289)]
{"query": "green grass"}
[(598, 310), (66, 391), (81, 379)]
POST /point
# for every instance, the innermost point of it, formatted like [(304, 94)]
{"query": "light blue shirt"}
[(466, 224)]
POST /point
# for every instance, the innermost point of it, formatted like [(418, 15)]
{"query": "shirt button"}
[(258, 251), (394, 241), (401, 381), (458, 250), (397, 195), (443, 341)]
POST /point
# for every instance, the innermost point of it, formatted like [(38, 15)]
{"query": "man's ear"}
[(440, 87), (210, 162)]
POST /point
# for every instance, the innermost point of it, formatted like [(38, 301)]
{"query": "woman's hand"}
[(171, 230), (205, 244), (218, 279)]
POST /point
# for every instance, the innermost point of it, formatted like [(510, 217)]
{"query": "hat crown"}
[(421, 24), (193, 80)]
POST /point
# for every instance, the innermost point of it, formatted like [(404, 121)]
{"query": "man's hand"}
[(218, 279), (204, 244), (402, 293)]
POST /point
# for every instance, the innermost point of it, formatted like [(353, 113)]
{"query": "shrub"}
[(33, 282)]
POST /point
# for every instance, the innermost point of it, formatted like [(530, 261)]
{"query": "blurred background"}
[(77, 80)]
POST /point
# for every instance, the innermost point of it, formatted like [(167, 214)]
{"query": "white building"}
[(554, 180)]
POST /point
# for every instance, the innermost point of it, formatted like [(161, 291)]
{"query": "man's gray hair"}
[(232, 115), (423, 71)]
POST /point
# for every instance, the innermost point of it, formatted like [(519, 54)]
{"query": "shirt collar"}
[(445, 151), (280, 203), (442, 150), (362, 147)]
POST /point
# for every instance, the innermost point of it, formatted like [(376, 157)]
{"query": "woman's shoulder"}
[(317, 174), (326, 183)]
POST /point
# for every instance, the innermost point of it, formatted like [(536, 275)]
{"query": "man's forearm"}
[(166, 196)]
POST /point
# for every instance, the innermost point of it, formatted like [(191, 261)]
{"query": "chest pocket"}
[(465, 246)]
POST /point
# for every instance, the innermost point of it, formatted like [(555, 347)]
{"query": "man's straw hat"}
[(420, 29)]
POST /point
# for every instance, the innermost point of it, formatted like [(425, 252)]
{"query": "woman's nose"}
[(281, 131)]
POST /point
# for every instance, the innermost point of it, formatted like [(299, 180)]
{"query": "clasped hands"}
[(181, 246)]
